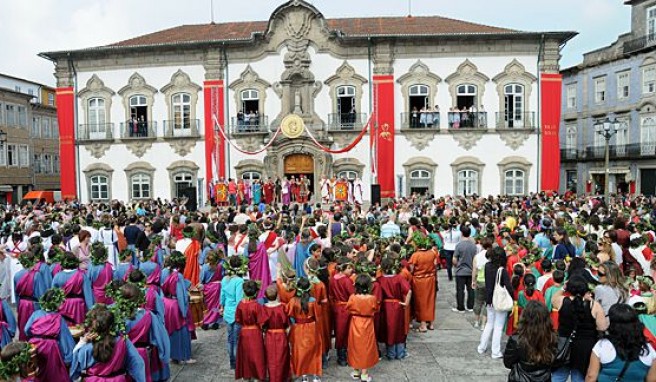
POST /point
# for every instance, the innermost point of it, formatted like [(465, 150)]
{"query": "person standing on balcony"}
[(143, 131), (464, 117), (482, 117), (455, 115), (429, 117), (133, 129), (422, 117), (414, 117), (247, 121), (240, 121), (436, 116)]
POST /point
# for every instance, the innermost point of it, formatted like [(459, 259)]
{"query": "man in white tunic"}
[(358, 191)]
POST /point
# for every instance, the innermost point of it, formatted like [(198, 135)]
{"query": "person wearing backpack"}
[(495, 273)]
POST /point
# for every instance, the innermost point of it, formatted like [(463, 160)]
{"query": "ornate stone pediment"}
[(419, 138), (139, 147), (250, 143), (514, 138), (182, 147), (97, 150), (467, 138)]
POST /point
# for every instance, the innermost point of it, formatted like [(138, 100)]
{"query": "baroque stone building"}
[(146, 106)]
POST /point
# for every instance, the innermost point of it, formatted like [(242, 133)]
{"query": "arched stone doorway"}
[(297, 165)]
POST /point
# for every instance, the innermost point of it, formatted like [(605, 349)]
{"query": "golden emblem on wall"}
[(292, 126), (385, 132)]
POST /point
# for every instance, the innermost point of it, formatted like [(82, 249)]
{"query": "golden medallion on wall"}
[(292, 126)]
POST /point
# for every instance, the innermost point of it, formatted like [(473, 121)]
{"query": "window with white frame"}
[(12, 155), (467, 182), (622, 136), (418, 97), (651, 24), (51, 99), (36, 127), (10, 115), (466, 96), (600, 89), (3, 154), (514, 182), (23, 156), (571, 96), (45, 126), (347, 174), (17, 88), (648, 135), (514, 105), (599, 140), (250, 101), (571, 140), (55, 164), (46, 164), (55, 128), (140, 186), (36, 159), (649, 79), (623, 82), (99, 187), (181, 111), (251, 175), (420, 174), (96, 116), (22, 116)]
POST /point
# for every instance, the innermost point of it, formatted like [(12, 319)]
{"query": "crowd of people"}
[(112, 290)]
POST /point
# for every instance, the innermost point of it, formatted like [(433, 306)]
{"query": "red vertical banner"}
[(383, 133), (214, 143), (551, 93), (66, 120)]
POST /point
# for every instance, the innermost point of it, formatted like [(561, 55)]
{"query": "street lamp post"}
[(607, 128)]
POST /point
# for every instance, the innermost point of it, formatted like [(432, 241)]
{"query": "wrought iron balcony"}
[(182, 128), (615, 152), (640, 43), (507, 120), (138, 130), (258, 125), (95, 132), (467, 120), (346, 121), (419, 120)]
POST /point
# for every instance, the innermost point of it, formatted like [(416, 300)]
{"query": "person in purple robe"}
[(247, 192), (100, 273), (211, 275), (153, 299), (177, 315), (17, 357), (77, 288), (124, 266), (29, 286), (152, 273), (48, 332), (55, 254), (100, 356), (147, 333), (258, 261), (7, 323)]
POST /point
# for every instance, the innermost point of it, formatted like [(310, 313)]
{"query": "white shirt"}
[(451, 239), (241, 219), (93, 232), (606, 352), (543, 280), (618, 253)]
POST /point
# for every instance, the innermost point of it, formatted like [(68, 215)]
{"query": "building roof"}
[(25, 80)]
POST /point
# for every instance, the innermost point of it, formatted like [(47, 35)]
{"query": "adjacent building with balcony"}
[(452, 106), (29, 138), (620, 81)]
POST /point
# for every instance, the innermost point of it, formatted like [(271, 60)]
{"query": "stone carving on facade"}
[(137, 86), (420, 138), (181, 83), (97, 150), (249, 79), (514, 138), (246, 165), (466, 138), (467, 73), (250, 143), (419, 74), (342, 138), (139, 147), (182, 147), (95, 88), (515, 73)]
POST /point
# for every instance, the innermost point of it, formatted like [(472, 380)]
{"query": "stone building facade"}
[(146, 107)]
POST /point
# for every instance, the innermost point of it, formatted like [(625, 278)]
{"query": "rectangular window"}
[(22, 116), (3, 154), (649, 79), (30, 91), (55, 164), (10, 113), (24, 156), (623, 81), (51, 99), (45, 126), (55, 128), (12, 155), (651, 24), (600, 89), (571, 96), (17, 88), (36, 127), (45, 163)]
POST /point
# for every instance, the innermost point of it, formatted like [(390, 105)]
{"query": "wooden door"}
[(299, 164)]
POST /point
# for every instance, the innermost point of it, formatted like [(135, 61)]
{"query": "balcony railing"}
[(467, 120), (138, 130), (419, 120), (346, 121), (640, 43), (95, 132), (260, 124), (181, 128), (507, 120), (598, 153)]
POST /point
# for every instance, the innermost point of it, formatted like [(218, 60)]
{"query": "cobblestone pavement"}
[(447, 354)]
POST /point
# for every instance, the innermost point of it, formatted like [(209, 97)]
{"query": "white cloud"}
[(33, 26)]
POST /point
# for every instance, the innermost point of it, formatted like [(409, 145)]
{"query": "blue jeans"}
[(233, 339), (396, 351), (561, 375)]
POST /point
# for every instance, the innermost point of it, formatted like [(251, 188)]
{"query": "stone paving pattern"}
[(446, 354)]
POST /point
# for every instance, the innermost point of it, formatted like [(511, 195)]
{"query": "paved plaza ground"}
[(447, 354)]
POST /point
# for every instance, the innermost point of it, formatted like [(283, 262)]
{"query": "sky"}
[(29, 27)]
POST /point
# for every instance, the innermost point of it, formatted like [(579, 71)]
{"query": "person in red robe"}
[(363, 349), (304, 338), (191, 253), (295, 190), (269, 191), (241, 189), (274, 321), (251, 361), (396, 296), (341, 288)]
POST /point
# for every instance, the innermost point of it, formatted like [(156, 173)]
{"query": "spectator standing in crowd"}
[(463, 260), (495, 272), (611, 289), (451, 236)]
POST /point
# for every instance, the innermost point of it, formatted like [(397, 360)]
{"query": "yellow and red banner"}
[(383, 135), (213, 91), (551, 93), (341, 191), (66, 120)]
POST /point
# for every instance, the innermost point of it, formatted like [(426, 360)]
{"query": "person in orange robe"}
[(320, 294), (284, 285), (192, 268), (304, 338), (275, 322), (363, 349), (423, 265), (251, 361), (341, 288)]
